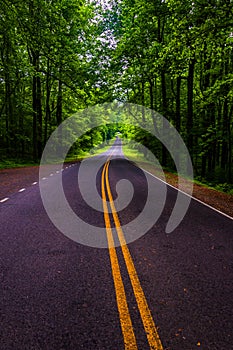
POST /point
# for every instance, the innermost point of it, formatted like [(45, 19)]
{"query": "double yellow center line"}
[(124, 315)]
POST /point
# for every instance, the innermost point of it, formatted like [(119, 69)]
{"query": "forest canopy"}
[(172, 56)]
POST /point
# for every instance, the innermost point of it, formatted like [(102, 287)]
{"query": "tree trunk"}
[(224, 153), (9, 125), (143, 103), (144, 149), (37, 107), (47, 107), (178, 117), (230, 146), (189, 125), (59, 115), (164, 110), (39, 117), (59, 104)]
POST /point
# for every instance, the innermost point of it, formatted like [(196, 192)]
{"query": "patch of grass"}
[(16, 163), (140, 160), (134, 154), (225, 187)]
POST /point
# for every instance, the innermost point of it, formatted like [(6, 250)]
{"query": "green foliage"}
[(176, 57), (45, 75)]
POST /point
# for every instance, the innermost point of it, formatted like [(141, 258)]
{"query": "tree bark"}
[(59, 103), (189, 124), (37, 106), (164, 110), (47, 108), (178, 117), (59, 115)]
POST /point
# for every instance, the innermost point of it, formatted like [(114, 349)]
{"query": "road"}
[(162, 291)]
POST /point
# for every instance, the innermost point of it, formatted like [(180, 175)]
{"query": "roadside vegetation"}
[(60, 57), (136, 156)]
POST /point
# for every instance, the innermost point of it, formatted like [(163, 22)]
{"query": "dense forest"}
[(172, 56)]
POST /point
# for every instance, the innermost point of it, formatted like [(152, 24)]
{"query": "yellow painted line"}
[(125, 320), (148, 323)]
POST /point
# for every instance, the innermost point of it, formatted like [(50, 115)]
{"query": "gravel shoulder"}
[(216, 199), (12, 180)]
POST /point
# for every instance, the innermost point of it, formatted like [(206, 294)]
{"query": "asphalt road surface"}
[(162, 291)]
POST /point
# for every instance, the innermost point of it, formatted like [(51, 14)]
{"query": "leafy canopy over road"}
[(176, 57)]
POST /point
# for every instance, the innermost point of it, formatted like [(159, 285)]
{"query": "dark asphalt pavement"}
[(56, 294)]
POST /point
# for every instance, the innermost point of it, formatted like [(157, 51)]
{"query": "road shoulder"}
[(12, 180)]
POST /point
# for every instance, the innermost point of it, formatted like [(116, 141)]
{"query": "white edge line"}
[(175, 188), (22, 190), (4, 200), (196, 199)]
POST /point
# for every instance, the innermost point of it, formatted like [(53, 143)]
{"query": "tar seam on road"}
[(147, 320)]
